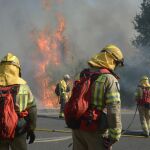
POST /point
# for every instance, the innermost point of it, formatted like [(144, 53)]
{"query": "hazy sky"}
[(90, 25)]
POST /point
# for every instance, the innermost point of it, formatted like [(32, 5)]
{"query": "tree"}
[(142, 25)]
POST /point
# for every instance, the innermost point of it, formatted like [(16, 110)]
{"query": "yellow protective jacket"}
[(106, 94), (9, 75), (63, 89), (26, 101)]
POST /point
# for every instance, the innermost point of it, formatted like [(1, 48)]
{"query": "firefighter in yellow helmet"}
[(105, 98), (25, 106), (64, 89), (142, 97)]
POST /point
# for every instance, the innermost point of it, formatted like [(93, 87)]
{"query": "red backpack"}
[(8, 116), (146, 95), (78, 105)]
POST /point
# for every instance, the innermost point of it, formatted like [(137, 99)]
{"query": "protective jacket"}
[(26, 101), (105, 94), (63, 90)]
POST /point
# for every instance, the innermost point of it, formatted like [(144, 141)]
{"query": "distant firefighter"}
[(62, 90), (142, 97)]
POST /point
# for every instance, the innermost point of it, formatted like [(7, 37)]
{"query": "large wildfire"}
[(50, 47)]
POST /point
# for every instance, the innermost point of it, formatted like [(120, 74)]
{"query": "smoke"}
[(90, 25)]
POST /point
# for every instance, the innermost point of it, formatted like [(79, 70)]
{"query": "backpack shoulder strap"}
[(15, 90), (12, 89), (88, 72), (104, 71)]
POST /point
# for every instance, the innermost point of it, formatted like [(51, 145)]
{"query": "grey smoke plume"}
[(90, 25)]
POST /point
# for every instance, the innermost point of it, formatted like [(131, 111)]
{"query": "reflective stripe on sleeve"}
[(112, 97), (26, 101), (115, 133), (23, 101), (20, 104)]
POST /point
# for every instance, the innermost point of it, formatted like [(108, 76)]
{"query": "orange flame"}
[(50, 51), (60, 29)]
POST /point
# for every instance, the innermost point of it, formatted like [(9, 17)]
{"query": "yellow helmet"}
[(144, 78), (115, 52), (12, 59)]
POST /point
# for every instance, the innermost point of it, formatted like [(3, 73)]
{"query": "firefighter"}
[(64, 89), (25, 105), (142, 97), (106, 98)]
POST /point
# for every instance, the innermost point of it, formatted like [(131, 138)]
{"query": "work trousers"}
[(62, 105), (18, 143), (144, 114), (83, 140)]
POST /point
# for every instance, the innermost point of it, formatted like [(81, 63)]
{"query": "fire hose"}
[(53, 139), (124, 131), (53, 130)]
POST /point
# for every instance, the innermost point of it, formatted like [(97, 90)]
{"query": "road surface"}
[(48, 140)]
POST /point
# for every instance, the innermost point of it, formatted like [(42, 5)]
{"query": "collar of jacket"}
[(105, 70)]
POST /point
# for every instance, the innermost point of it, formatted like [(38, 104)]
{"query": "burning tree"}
[(142, 25)]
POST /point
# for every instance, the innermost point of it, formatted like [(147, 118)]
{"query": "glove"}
[(30, 136), (108, 143)]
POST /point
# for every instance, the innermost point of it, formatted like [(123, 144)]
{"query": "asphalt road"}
[(60, 141)]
